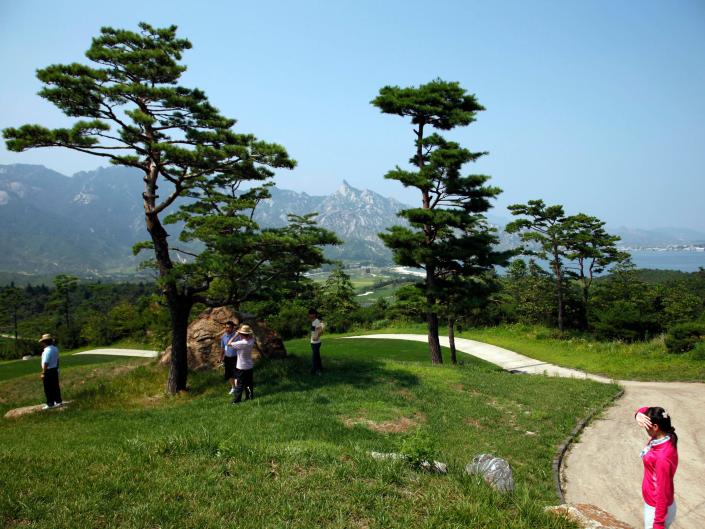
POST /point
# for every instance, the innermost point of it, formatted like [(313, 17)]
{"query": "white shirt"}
[(244, 346), (315, 332)]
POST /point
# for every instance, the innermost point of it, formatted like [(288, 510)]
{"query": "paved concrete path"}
[(504, 358), (604, 467), (141, 353)]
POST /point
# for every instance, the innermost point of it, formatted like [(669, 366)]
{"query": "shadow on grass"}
[(292, 375)]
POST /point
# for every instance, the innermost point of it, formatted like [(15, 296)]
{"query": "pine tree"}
[(133, 113), (591, 248), (447, 236), (544, 227)]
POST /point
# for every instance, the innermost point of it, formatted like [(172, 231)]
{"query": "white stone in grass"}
[(26, 410), (382, 456), (436, 466), (494, 470)]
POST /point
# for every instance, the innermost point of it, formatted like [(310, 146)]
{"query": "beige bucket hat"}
[(244, 329), (46, 337)]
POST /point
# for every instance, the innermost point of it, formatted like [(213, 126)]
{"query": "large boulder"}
[(494, 470), (205, 331)]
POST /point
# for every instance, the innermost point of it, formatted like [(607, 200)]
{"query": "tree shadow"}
[(292, 375)]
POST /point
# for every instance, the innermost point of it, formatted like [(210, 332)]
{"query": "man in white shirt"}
[(316, 330), (50, 372), (243, 342)]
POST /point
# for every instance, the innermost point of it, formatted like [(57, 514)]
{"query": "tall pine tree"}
[(544, 228), (134, 113), (447, 236)]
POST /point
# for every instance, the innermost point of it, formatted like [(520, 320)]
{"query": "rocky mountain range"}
[(86, 224)]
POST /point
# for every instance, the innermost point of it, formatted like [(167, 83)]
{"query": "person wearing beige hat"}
[(243, 342), (50, 372)]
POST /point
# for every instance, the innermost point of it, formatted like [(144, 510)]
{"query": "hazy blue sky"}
[(596, 105)]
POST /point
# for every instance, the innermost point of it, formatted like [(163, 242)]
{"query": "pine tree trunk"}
[(451, 340), (586, 296), (434, 344), (179, 306), (179, 310), (560, 305), (559, 286)]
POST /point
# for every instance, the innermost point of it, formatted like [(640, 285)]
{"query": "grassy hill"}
[(298, 455)]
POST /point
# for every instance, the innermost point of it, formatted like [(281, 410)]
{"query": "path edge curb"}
[(563, 448)]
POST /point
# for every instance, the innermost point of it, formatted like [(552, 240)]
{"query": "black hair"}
[(230, 322), (313, 312), (662, 419)]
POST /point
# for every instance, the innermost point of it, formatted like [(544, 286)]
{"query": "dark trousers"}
[(316, 364), (245, 383), (52, 391)]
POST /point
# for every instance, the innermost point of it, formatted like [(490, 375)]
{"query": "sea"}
[(682, 260)]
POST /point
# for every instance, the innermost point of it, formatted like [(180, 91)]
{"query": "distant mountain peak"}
[(346, 189)]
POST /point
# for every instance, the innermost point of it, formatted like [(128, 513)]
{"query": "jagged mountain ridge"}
[(357, 216), (86, 224)]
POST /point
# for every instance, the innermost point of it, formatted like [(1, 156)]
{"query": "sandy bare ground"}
[(603, 468)]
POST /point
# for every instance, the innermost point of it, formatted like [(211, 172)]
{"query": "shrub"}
[(8, 351), (698, 352), (685, 336), (624, 320), (417, 448), (291, 321)]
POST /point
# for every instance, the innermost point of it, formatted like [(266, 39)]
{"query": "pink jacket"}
[(660, 459)]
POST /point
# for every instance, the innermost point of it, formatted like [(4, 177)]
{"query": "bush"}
[(623, 320), (698, 352), (684, 337), (417, 448), (24, 347), (291, 321)]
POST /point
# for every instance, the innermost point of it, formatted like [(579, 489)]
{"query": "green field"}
[(19, 368), (297, 456), (619, 360), (364, 281)]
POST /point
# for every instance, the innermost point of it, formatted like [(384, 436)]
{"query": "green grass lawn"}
[(618, 360), (19, 368), (124, 455), (624, 361)]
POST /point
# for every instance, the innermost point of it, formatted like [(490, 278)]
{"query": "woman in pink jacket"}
[(660, 459)]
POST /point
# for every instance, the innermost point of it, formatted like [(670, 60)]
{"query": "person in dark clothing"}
[(50, 372), (316, 331)]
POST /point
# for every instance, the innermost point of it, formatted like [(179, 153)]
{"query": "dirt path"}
[(604, 467)]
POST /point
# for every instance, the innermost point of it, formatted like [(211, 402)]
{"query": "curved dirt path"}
[(603, 468)]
